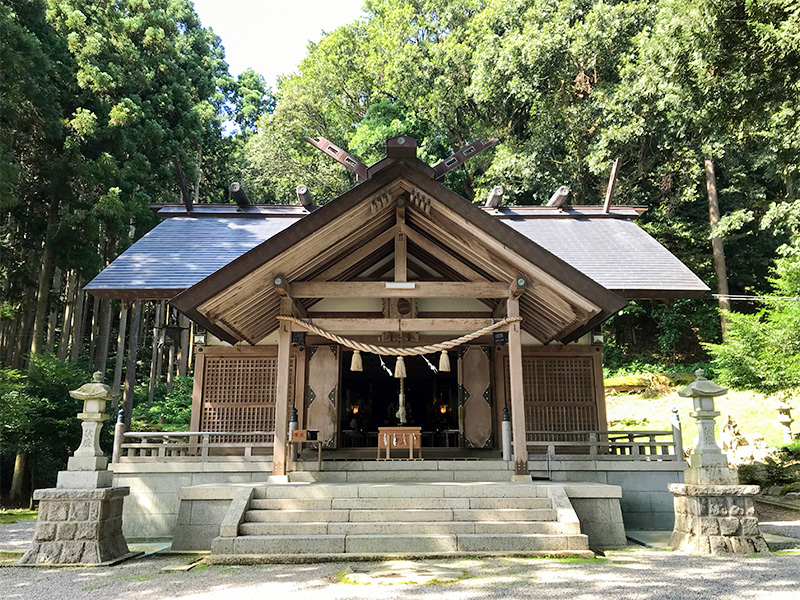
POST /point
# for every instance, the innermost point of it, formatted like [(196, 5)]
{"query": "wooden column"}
[(517, 391), (282, 399), (130, 374)]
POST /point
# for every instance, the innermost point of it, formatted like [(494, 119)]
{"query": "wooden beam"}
[(612, 183), (400, 244), (442, 255), (357, 255), (380, 289), (518, 286), (517, 390), (282, 287), (282, 399), (406, 325), (400, 257)]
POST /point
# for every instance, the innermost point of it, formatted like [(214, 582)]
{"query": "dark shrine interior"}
[(369, 399)]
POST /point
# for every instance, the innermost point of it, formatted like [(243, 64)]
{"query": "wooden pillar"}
[(130, 373), (282, 399), (120, 357), (517, 392)]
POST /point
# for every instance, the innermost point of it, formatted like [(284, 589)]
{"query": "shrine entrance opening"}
[(370, 400)]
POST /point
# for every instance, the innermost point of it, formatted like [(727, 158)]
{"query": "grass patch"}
[(17, 514), (10, 557), (752, 411)]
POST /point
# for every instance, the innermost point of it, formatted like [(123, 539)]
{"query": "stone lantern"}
[(785, 419), (707, 463), (80, 520), (713, 514), (87, 468)]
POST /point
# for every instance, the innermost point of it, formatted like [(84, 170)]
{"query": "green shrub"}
[(38, 416), (167, 412)]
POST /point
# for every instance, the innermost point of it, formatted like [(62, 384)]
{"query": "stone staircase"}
[(412, 518)]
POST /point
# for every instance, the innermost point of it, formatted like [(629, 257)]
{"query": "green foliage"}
[(762, 350), (37, 414), (167, 412)]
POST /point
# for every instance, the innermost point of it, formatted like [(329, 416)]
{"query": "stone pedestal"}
[(716, 519), (78, 527)]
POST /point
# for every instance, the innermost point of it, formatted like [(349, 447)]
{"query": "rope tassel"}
[(444, 362), (355, 362), (400, 368)]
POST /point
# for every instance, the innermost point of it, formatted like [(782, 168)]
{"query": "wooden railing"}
[(157, 446), (607, 445)]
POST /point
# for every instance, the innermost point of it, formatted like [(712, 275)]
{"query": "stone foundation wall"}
[(151, 511), (646, 502)]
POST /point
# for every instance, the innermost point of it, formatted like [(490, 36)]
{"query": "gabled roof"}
[(238, 300), (216, 262)]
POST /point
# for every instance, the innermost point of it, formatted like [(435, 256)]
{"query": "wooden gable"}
[(398, 226)]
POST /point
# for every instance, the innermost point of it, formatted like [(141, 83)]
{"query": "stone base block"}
[(84, 480), (716, 519), (78, 527)]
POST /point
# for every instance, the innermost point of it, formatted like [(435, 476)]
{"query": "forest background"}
[(97, 97)]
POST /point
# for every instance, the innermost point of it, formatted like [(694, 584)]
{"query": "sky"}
[(271, 36)]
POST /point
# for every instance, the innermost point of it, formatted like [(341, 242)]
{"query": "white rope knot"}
[(386, 351)]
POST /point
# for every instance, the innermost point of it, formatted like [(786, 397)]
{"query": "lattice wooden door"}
[(475, 395), (322, 392), (560, 394), (239, 393)]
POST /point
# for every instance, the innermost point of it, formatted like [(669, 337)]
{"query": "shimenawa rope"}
[(386, 351)]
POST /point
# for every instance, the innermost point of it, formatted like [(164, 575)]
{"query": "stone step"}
[(295, 516), (322, 491), (395, 503), (506, 514), (403, 543), (491, 503), (377, 544), (405, 516), (291, 503), (405, 527), (297, 529), (280, 544), (521, 542), (399, 503)]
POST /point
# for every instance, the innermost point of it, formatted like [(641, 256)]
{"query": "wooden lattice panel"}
[(559, 393), (239, 395)]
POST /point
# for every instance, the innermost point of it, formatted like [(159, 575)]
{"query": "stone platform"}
[(716, 519), (78, 527)]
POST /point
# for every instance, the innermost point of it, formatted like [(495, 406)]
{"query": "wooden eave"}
[(239, 299)]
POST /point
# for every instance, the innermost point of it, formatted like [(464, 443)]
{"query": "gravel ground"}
[(634, 574), (17, 536)]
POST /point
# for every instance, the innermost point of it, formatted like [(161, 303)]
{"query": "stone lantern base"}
[(78, 527), (716, 519)]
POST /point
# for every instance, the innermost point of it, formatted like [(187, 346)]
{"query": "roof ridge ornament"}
[(459, 158), (345, 158)]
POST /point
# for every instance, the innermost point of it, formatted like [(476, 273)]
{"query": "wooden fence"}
[(607, 445), (158, 446)]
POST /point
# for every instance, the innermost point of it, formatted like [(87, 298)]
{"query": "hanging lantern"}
[(400, 368), (355, 362), (444, 362)]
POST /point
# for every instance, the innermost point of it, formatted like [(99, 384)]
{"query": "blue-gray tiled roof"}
[(616, 253), (180, 251)]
